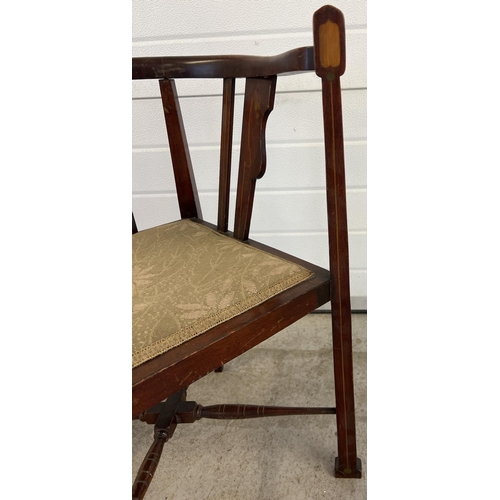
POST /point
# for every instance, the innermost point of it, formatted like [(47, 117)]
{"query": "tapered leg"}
[(329, 59), (346, 464)]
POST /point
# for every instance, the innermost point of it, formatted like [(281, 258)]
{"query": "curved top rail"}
[(224, 66)]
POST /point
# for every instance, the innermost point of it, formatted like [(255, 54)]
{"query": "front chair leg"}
[(329, 61), (148, 466), (347, 465), (165, 424)]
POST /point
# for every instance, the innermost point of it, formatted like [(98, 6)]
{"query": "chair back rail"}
[(223, 66)]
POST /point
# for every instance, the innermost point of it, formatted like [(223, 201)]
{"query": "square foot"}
[(348, 473)]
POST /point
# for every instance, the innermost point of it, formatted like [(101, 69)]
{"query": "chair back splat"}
[(259, 102), (203, 295)]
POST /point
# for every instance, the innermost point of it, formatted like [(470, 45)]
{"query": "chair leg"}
[(165, 424), (347, 464)]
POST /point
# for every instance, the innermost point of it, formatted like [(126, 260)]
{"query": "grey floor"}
[(267, 458)]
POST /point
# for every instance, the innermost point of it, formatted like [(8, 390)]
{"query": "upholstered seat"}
[(188, 278)]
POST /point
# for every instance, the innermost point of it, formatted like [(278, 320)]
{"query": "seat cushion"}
[(187, 278)]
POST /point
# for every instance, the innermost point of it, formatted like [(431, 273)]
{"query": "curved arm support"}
[(225, 66)]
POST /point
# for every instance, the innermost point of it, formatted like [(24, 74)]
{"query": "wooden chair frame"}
[(168, 375)]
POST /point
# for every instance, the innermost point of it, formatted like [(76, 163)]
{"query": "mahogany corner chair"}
[(203, 295)]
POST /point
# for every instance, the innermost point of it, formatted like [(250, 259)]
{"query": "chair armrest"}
[(225, 66)]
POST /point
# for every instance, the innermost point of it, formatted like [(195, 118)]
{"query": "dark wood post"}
[(329, 58)]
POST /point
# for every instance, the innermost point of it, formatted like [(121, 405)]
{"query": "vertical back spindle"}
[(187, 194), (226, 145)]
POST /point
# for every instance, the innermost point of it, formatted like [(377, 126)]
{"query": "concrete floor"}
[(268, 458)]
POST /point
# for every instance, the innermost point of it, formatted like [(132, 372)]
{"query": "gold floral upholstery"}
[(187, 278)]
